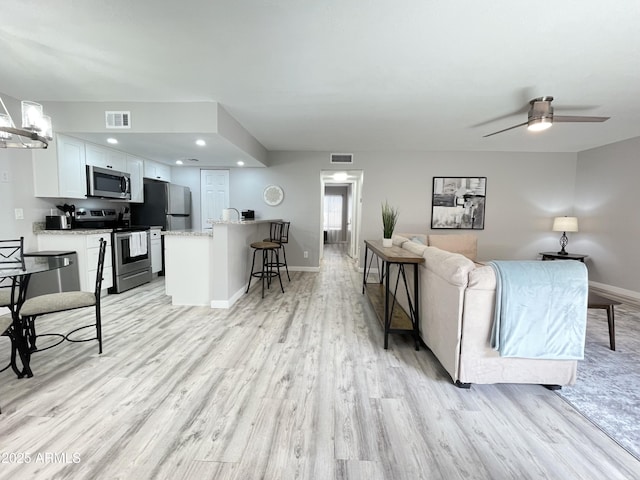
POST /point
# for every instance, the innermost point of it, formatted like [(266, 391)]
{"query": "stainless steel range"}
[(131, 258), (130, 245)]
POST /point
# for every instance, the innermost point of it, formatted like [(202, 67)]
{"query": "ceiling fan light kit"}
[(540, 117), (539, 124)]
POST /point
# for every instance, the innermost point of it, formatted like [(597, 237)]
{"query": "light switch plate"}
[(19, 214)]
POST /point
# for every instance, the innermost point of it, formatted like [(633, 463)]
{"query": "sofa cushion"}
[(452, 267), (464, 244), (398, 240), (415, 248)]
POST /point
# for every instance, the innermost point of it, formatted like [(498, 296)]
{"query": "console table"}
[(569, 256), (393, 317)]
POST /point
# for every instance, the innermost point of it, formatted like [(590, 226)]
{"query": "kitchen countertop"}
[(89, 231), (208, 232), (244, 222)]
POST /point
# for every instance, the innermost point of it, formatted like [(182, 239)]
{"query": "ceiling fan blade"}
[(504, 130), (576, 118), (514, 113)]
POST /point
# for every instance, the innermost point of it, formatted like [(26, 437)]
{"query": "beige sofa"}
[(457, 299)]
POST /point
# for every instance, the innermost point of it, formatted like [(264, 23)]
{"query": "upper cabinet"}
[(60, 170), (157, 171), (106, 158), (135, 167)]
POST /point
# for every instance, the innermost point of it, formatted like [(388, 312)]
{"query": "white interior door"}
[(214, 194)]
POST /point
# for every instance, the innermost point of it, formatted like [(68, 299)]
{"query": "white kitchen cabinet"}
[(135, 167), (157, 171), (156, 250), (60, 170), (87, 247), (105, 157)]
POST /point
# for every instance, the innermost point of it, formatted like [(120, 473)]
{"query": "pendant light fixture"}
[(36, 131)]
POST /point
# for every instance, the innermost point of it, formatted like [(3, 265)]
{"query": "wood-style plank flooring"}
[(295, 386)]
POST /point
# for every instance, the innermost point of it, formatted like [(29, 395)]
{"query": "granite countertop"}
[(91, 231), (244, 222), (207, 232)]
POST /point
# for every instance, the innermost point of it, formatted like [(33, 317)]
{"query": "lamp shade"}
[(565, 224)]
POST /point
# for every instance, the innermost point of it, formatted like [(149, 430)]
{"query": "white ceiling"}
[(343, 75)]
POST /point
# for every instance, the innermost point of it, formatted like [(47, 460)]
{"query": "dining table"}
[(19, 278)]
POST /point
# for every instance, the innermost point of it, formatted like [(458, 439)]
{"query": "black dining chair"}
[(12, 253), (11, 257), (6, 321), (5, 330), (35, 307)]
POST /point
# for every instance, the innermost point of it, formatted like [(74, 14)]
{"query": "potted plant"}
[(389, 219)]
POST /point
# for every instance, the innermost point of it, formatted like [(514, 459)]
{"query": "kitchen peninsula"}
[(211, 266)]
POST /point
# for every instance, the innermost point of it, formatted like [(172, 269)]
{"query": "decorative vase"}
[(387, 242)]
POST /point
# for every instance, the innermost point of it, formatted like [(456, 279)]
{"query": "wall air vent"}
[(342, 158), (117, 119)]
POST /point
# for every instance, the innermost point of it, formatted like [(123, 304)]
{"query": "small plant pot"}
[(387, 242)]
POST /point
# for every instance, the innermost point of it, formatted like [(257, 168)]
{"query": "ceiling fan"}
[(541, 117)]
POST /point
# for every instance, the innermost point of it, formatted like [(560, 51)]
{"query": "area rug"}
[(607, 391)]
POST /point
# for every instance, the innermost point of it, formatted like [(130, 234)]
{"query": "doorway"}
[(341, 210)]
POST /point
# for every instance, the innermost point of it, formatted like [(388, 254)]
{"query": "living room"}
[(298, 385)]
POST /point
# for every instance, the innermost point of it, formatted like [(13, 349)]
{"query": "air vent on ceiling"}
[(117, 119), (342, 158)]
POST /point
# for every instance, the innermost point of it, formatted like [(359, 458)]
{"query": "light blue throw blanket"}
[(541, 309)]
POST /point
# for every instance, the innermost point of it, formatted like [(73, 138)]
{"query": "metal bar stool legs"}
[(267, 271), (284, 260)]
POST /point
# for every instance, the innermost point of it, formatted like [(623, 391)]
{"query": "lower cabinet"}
[(87, 247)]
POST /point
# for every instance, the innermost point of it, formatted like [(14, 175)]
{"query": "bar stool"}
[(279, 233), (267, 272)]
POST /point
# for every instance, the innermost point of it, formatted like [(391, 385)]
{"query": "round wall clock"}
[(273, 195)]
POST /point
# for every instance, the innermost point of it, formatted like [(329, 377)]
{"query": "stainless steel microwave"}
[(107, 183)]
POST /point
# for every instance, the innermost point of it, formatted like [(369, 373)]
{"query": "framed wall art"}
[(458, 203)]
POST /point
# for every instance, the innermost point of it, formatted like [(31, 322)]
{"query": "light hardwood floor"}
[(295, 386)]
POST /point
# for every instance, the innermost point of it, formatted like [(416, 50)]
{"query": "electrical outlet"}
[(4, 177), (306, 254), (19, 214)]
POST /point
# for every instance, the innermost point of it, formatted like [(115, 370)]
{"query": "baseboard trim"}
[(303, 269), (616, 293), (226, 304)]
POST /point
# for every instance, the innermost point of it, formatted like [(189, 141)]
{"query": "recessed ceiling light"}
[(179, 162), (112, 141), (240, 163), (200, 142)]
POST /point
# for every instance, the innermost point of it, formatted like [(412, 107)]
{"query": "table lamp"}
[(564, 225)]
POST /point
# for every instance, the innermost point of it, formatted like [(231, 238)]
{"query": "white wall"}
[(606, 195), (17, 192), (524, 193)]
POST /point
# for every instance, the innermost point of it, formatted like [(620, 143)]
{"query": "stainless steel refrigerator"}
[(165, 204)]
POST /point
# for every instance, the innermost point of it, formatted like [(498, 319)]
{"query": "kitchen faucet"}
[(236, 212)]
